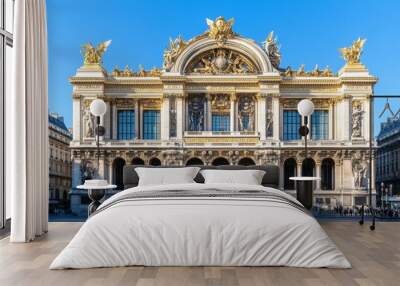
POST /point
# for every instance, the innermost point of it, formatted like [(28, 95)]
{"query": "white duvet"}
[(201, 231)]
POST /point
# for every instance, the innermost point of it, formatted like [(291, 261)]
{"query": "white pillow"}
[(166, 176), (248, 177)]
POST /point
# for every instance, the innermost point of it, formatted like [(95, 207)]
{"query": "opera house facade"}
[(221, 98)]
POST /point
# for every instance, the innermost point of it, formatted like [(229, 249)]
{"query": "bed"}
[(201, 224)]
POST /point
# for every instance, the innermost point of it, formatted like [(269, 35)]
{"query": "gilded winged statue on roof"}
[(220, 29), (353, 53), (93, 55), (173, 51)]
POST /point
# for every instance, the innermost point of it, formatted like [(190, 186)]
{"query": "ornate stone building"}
[(388, 157), (59, 163), (221, 98)]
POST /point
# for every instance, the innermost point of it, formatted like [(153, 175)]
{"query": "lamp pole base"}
[(304, 190)]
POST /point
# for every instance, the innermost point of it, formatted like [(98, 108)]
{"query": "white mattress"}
[(200, 231)]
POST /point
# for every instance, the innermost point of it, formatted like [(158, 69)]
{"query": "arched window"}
[(137, 161), (246, 161), (194, 162), (220, 161), (155, 162), (289, 170), (118, 171), (327, 174)]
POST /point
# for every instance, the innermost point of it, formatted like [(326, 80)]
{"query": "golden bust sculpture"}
[(92, 55), (353, 53)]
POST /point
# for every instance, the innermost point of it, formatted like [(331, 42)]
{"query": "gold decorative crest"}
[(220, 102), (353, 53), (220, 29), (221, 61), (92, 55)]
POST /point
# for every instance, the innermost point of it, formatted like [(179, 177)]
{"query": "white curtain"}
[(26, 124)]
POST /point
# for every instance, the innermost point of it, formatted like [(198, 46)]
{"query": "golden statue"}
[(173, 51), (92, 55), (352, 54), (270, 46), (301, 71), (220, 29), (327, 72)]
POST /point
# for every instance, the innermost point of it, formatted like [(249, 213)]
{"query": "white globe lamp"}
[(98, 107), (305, 107)]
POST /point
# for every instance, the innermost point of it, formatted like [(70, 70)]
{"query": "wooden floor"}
[(375, 257)]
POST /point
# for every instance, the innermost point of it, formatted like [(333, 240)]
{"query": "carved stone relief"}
[(360, 170), (246, 112), (88, 123), (172, 117), (221, 61), (357, 118), (196, 112)]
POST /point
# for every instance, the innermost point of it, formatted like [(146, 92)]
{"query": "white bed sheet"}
[(200, 232)]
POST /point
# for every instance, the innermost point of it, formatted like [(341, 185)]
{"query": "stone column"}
[(331, 120), (338, 175), (318, 174), (281, 175), (261, 115), (165, 118), (275, 116), (114, 127), (233, 112), (105, 121), (209, 113), (346, 113), (110, 171), (137, 119), (180, 118), (76, 119), (299, 165)]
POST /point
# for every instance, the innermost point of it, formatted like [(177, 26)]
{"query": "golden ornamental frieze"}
[(220, 102), (125, 102), (128, 72), (221, 61), (151, 103), (222, 139), (232, 79), (86, 80)]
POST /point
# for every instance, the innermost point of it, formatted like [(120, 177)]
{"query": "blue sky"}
[(309, 32)]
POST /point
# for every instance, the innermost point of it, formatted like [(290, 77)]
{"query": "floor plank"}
[(375, 257)]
